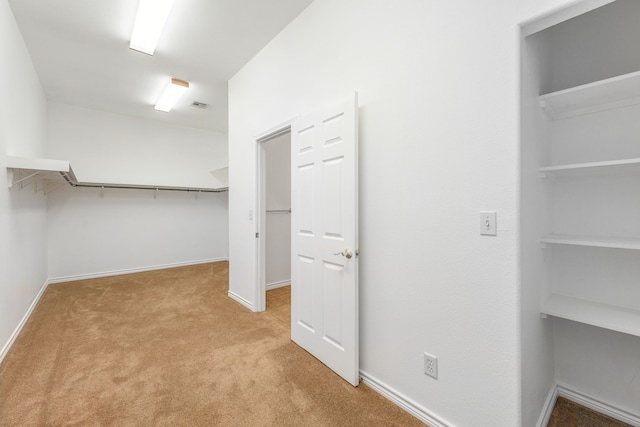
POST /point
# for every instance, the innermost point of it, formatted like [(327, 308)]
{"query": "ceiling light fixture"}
[(171, 94), (150, 20)]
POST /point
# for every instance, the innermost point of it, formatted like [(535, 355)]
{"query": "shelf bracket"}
[(543, 316), (543, 245), (23, 179)]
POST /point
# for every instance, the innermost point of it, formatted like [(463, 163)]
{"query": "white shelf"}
[(592, 313), (25, 170), (32, 163), (600, 242), (592, 168), (46, 173), (616, 92), (222, 176)]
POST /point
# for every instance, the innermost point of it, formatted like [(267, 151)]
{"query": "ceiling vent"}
[(200, 105)]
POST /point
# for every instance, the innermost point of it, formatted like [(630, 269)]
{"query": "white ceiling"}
[(80, 49)]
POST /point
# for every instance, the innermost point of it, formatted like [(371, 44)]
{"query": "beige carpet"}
[(169, 348), (569, 414)]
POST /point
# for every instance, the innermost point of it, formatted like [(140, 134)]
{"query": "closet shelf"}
[(593, 313), (222, 175), (42, 172), (600, 242), (616, 92), (46, 174), (592, 168)]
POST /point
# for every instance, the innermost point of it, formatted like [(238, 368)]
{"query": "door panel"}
[(332, 206), (324, 239)]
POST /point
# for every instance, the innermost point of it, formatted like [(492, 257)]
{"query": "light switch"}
[(488, 224)]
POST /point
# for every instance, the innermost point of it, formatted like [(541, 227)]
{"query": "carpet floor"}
[(169, 348), (569, 414)]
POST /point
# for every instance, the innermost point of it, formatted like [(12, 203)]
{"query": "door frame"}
[(260, 290)]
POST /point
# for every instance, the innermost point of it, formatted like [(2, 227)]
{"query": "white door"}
[(324, 237)]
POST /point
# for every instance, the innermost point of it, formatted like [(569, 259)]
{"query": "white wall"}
[(111, 148), (278, 197), (23, 112), (538, 376), (90, 232), (438, 87), (595, 45)]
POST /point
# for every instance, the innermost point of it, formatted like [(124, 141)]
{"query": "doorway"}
[(324, 233), (274, 219)]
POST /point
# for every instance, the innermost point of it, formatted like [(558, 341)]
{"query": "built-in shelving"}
[(592, 168), (43, 173), (222, 175), (598, 242), (48, 173), (593, 313), (616, 92)]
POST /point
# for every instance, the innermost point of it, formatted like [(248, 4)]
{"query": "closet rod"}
[(140, 187), (278, 210)]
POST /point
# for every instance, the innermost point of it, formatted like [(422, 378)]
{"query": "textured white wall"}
[(111, 148), (23, 112), (438, 88), (131, 229), (595, 45)]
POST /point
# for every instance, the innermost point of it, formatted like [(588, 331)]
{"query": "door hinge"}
[(257, 235)]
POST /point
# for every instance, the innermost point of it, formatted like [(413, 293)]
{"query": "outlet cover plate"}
[(431, 365)]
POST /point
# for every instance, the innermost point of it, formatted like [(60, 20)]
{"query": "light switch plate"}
[(488, 225)]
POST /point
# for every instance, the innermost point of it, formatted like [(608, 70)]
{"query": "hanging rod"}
[(278, 210), (142, 187)]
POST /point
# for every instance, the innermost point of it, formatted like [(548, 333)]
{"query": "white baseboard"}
[(131, 270), (547, 409), (276, 285), (245, 302), (403, 402), (23, 322), (590, 402)]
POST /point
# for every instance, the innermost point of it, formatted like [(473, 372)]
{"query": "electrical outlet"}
[(431, 365)]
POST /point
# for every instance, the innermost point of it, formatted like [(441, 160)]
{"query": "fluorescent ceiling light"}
[(171, 94), (150, 20)]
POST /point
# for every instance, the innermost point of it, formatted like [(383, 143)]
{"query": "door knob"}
[(346, 253)]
